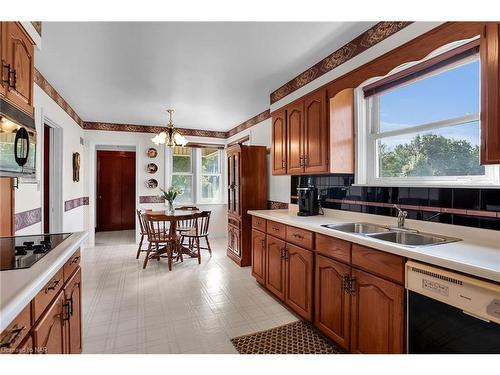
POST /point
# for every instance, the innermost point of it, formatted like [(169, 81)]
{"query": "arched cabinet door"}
[(20, 58), (376, 315), (259, 255), (316, 134), (73, 314), (299, 271), (48, 334), (279, 143), (275, 266), (332, 302), (295, 138)]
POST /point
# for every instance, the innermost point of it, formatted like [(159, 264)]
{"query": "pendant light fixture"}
[(170, 137)]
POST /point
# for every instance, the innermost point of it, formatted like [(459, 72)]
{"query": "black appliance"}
[(20, 252), (308, 199), (18, 142), (451, 313)]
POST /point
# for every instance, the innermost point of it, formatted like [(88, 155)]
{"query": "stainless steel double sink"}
[(405, 237)]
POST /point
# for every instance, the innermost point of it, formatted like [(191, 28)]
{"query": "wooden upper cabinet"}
[(332, 301), (377, 315), (295, 138), (279, 143), (298, 280), (342, 132), (490, 94), (315, 156), (19, 56)]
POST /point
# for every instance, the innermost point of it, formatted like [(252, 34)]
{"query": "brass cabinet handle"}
[(75, 259), (53, 286), (282, 253), (12, 337), (296, 235), (283, 164), (275, 229), (352, 286), (5, 73), (345, 283), (12, 79), (306, 160), (263, 243), (286, 253)]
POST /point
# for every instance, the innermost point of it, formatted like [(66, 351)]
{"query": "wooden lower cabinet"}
[(332, 303), (259, 256), (377, 318), (275, 266), (298, 280), (73, 315), (48, 333), (233, 241)]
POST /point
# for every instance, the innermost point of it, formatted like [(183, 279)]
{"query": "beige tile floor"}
[(192, 309)]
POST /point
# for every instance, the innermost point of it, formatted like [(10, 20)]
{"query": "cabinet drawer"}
[(333, 247), (276, 229), (299, 237), (259, 223), (71, 265), (16, 331), (379, 263), (48, 292)]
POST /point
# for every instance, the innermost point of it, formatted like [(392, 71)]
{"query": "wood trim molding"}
[(361, 43), (239, 140), (55, 96)]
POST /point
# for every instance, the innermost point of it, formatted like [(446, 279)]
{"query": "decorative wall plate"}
[(152, 168), (152, 183), (152, 152)]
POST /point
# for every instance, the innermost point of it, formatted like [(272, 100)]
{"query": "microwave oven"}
[(17, 149)]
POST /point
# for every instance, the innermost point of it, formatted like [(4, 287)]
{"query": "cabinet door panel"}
[(275, 266), (377, 315), (332, 302), (48, 334), (299, 271), (73, 324), (316, 139), (20, 57), (295, 138), (342, 132), (258, 255), (279, 143)]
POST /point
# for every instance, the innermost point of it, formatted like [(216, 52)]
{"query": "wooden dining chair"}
[(142, 231), (201, 222), (162, 238)]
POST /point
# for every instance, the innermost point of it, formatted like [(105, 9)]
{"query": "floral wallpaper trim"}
[(151, 199), (369, 38), (75, 203), (275, 205), (26, 218)]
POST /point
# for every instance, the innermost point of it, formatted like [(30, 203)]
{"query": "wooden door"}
[(73, 324), (342, 132), (115, 190), (7, 224), (299, 280), (48, 334), (377, 318), (332, 301), (20, 56), (279, 143), (316, 141), (259, 256), (490, 94), (275, 266), (295, 138)]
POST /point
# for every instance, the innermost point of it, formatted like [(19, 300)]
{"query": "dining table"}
[(173, 218)]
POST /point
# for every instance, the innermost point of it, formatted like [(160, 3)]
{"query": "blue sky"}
[(446, 95)]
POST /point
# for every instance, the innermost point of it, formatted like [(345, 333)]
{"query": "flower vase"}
[(170, 206)]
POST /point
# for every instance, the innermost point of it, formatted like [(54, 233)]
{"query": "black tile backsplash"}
[(459, 206)]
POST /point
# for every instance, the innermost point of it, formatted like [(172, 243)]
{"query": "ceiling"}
[(215, 75)]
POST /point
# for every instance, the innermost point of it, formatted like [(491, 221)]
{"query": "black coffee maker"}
[(307, 197)]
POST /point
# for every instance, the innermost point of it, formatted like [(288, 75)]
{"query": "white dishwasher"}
[(448, 312)]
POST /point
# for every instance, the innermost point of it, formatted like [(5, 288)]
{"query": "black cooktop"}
[(20, 252)]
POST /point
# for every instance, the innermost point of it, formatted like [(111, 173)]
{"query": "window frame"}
[(192, 174), (367, 112), (200, 199)]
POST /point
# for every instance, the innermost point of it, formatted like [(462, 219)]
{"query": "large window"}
[(198, 172), (423, 123), (182, 173), (210, 175)]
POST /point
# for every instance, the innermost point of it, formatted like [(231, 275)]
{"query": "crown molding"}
[(361, 43)]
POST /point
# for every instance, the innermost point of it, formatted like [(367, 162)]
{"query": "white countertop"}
[(19, 287), (477, 255)]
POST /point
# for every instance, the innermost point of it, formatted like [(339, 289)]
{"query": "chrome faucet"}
[(401, 217)]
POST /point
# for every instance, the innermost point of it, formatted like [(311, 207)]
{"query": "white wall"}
[(260, 135), (141, 142), (29, 194)]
